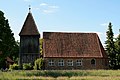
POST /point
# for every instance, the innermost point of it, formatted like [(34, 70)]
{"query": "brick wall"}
[(86, 64)]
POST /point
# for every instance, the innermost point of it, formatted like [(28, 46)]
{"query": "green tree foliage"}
[(117, 45), (110, 47), (8, 45)]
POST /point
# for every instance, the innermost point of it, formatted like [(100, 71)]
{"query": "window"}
[(70, 62), (51, 62), (61, 62), (93, 61), (79, 62)]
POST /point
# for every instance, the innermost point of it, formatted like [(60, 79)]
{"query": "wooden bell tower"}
[(29, 41)]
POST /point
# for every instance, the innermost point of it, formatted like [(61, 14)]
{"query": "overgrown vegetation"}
[(27, 66), (62, 74), (38, 64), (14, 67), (41, 46)]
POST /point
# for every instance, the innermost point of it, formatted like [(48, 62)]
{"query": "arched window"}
[(93, 61)]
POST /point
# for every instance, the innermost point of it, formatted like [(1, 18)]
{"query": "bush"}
[(27, 66), (38, 64), (14, 67)]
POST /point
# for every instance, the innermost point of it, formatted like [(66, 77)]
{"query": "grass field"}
[(61, 75)]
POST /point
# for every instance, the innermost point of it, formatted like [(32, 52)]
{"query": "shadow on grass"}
[(56, 74)]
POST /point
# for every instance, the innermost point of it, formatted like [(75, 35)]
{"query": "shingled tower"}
[(29, 41)]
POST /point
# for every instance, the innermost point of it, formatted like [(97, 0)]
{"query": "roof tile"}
[(59, 44)]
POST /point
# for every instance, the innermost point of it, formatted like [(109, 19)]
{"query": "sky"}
[(64, 15)]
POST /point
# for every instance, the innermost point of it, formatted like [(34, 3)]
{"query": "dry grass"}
[(61, 75), (71, 78), (95, 78)]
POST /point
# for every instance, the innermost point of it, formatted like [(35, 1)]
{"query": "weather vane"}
[(29, 8)]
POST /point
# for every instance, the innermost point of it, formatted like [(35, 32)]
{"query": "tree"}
[(117, 45), (110, 47), (8, 45)]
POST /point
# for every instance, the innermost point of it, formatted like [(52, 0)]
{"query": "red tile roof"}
[(7, 58), (58, 44), (29, 27)]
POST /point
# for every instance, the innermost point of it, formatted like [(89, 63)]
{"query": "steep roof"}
[(29, 26), (7, 58), (58, 44)]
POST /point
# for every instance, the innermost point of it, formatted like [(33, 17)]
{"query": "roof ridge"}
[(71, 32)]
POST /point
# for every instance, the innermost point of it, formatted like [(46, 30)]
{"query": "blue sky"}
[(64, 15)]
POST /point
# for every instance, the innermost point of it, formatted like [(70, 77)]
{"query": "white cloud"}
[(104, 24), (36, 8), (46, 8), (116, 35), (43, 4), (27, 0), (48, 11), (53, 7)]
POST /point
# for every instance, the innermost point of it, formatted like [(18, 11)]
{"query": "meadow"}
[(60, 75)]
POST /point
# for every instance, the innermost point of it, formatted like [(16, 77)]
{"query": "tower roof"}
[(29, 26)]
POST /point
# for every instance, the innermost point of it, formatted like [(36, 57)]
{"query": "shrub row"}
[(66, 73), (28, 66), (14, 67)]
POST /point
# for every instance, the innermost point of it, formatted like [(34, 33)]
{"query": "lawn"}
[(61, 74)]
